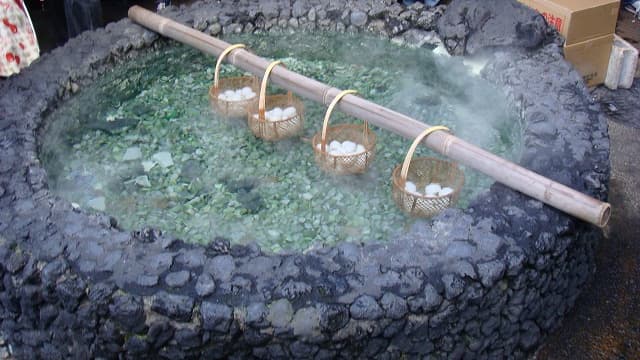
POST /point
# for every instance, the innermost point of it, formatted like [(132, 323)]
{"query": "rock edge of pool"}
[(75, 285)]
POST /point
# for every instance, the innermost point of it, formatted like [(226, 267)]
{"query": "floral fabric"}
[(18, 43)]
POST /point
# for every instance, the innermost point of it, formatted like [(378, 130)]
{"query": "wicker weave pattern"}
[(423, 171), (360, 134), (219, 86), (345, 164), (277, 130), (274, 130), (233, 108)]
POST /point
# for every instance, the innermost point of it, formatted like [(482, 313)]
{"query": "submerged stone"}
[(251, 201), (112, 126), (142, 181), (163, 158), (132, 153), (148, 165), (98, 203), (191, 170)]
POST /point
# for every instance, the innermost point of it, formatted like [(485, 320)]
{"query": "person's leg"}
[(18, 42)]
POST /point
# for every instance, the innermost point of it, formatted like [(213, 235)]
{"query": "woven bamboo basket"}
[(343, 164), (223, 106), (274, 130), (422, 172)]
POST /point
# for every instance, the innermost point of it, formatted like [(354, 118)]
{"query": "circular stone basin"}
[(486, 280), (104, 148)]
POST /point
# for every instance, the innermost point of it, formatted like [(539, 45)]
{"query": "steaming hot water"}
[(143, 145)]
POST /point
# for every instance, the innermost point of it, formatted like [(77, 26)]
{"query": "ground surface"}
[(628, 28), (605, 323)]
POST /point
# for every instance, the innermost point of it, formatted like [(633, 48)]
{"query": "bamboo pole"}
[(508, 173)]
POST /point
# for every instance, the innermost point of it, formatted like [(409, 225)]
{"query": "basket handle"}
[(262, 102), (327, 115), (407, 160), (223, 54)]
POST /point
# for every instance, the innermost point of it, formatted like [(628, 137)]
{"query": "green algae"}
[(222, 181)]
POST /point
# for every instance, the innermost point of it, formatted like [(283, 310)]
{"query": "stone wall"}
[(75, 285)]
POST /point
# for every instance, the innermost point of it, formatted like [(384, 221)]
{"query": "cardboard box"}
[(578, 20), (591, 58)]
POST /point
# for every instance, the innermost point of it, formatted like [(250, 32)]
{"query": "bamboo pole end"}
[(131, 13), (605, 215)]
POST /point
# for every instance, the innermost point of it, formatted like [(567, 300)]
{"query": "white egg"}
[(223, 97), (335, 148), (410, 187), (360, 149), (432, 189), (289, 112), (247, 93), (335, 145), (349, 147), (276, 114), (445, 191), (229, 93)]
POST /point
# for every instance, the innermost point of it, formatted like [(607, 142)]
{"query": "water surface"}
[(222, 181)]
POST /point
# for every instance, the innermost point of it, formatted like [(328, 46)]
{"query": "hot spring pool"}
[(143, 145), (488, 281)]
